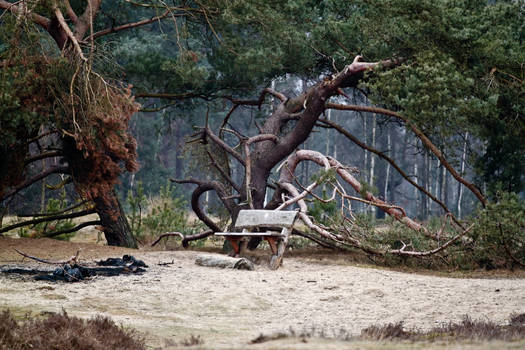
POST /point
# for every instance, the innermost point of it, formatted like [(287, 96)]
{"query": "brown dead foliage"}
[(62, 332)]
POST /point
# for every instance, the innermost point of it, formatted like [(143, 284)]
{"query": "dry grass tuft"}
[(390, 331), (62, 332), (467, 329), (192, 340)]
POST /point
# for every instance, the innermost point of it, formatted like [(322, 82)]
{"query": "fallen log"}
[(224, 262)]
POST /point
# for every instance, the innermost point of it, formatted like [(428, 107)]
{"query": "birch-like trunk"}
[(372, 159), (462, 171)]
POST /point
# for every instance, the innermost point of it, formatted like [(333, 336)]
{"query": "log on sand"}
[(224, 262)]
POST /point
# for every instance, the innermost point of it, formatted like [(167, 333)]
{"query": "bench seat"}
[(254, 234), (265, 220)]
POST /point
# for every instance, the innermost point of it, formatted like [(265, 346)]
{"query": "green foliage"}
[(499, 234), (323, 176), (150, 218), (463, 72), (25, 97), (324, 212), (53, 206), (367, 188), (137, 202), (497, 239)]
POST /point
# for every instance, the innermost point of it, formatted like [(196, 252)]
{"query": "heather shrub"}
[(62, 332)]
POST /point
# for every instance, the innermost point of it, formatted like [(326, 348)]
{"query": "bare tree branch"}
[(294, 159), (67, 30), (322, 243), (167, 234), (223, 173), (203, 187), (74, 206), (50, 154), (38, 177), (73, 229), (72, 259), (36, 18), (248, 173), (47, 219), (442, 247), (86, 19), (185, 239), (224, 145), (70, 12), (127, 26), (426, 141), (355, 140)]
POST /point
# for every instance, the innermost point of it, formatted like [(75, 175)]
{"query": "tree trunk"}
[(116, 227), (462, 172), (387, 176), (224, 262), (425, 180), (372, 161)]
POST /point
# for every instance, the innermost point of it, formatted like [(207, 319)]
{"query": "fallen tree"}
[(278, 140)]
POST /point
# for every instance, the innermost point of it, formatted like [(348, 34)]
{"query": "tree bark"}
[(224, 262), (113, 219), (107, 205)]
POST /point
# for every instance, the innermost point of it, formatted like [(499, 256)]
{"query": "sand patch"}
[(228, 308)]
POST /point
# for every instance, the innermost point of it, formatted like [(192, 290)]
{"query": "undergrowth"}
[(64, 332), (151, 217), (495, 241), (466, 330)]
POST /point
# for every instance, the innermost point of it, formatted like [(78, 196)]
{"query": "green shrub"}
[(499, 234), (160, 214), (53, 206)]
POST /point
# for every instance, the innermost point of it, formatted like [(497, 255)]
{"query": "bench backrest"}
[(265, 218)]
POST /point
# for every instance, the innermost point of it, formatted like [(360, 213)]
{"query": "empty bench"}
[(277, 226)]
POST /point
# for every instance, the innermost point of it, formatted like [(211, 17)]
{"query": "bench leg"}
[(242, 247), (277, 258), (272, 241), (234, 241)]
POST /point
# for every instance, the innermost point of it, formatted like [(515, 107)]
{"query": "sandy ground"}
[(228, 308)]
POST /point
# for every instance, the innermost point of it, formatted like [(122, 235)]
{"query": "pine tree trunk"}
[(116, 227), (425, 180)]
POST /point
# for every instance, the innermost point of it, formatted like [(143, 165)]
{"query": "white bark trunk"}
[(372, 158), (460, 188)]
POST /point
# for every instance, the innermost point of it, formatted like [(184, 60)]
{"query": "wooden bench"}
[(252, 220)]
